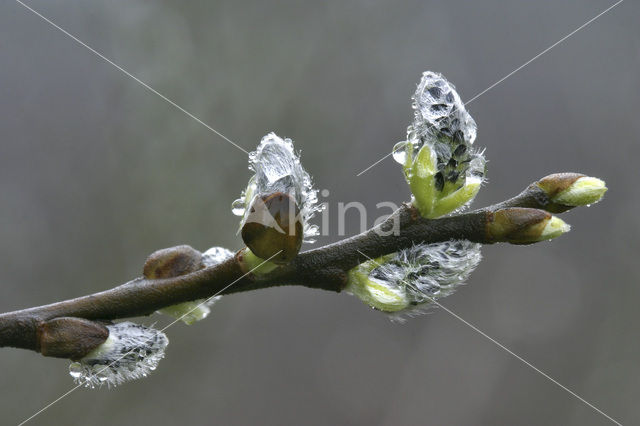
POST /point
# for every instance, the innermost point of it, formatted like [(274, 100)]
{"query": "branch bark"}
[(323, 268)]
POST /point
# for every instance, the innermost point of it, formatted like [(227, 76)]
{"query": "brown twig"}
[(323, 268)]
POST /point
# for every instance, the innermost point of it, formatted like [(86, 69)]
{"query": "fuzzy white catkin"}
[(215, 255), (438, 110), (427, 272), (130, 352), (277, 168), (442, 122)]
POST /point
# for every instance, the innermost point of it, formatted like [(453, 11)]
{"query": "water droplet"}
[(237, 207), (75, 369), (400, 152)]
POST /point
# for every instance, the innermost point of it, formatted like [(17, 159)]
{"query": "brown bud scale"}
[(68, 337), (172, 262), (516, 225), (273, 228)]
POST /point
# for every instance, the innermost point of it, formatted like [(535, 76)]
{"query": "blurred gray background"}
[(96, 172)]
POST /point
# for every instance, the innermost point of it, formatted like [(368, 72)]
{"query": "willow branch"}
[(323, 268)]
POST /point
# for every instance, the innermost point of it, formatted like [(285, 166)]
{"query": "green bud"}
[(568, 190), (254, 264), (584, 191), (518, 225), (377, 294), (458, 198), (420, 175), (553, 228), (439, 192)]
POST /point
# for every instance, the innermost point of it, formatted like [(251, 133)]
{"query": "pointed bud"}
[(70, 338), (458, 198), (584, 191), (554, 228), (420, 175), (130, 352), (519, 225), (568, 190)]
